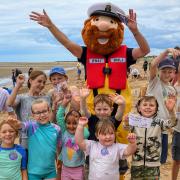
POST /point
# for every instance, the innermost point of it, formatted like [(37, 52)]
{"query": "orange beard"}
[(91, 34)]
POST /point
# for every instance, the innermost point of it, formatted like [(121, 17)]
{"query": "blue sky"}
[(24, 40)]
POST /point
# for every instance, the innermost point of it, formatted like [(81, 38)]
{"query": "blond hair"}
[(104, 127), (39, 101), (14, 123)]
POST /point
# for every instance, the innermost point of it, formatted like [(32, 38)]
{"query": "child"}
[(146, 160), (78, 70), (104, 155), (72, 157), (44, 141), (22, 102), (176, 133), (13, 158), (160, 87), (59, 80), (103, 107)]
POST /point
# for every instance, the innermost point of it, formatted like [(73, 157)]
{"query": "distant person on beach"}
[(145, 67), (78, 71), (15, 73), (13, 77), (162, 68), (59, 80), (146, 160), (13, 157), (22, 102), (30, 70), (176, 133)]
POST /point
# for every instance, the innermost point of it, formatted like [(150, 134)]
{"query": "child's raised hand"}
[(174, 52), (170, 102), (14, 122), (83, 121), (42, 19), (84, 92), (67, 98), (20, 80), (118, 99), (131, 138), (64, 86)]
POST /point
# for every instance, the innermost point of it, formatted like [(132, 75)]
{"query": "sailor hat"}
[(107, 9)]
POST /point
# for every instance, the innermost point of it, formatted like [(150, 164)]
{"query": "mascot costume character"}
[(104, 57)]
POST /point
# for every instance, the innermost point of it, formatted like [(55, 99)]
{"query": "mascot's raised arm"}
[(104, 57)]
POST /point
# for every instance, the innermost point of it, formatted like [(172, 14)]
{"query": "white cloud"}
[(21, 37)]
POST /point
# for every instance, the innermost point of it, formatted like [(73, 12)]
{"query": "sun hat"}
[(57, 70)]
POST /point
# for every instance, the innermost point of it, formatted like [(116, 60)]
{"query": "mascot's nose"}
[(103, 26)]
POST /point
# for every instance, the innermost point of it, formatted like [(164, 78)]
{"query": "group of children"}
[(58, 133)]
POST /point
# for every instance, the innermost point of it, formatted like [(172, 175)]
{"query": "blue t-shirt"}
[(43, 141), (12, 161)]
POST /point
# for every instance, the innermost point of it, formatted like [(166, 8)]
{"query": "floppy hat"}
[(57, 70), (107, 9), (167, 63)]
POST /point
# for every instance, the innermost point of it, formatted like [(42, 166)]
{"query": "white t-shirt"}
[(160, 91), (177, 127), (104, 161)]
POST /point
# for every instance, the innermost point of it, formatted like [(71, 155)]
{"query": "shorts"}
[(123, 166), (43, 176), (176, 146), (75, 173), (79, 71), (145, 173)]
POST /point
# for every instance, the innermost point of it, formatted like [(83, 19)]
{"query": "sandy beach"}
[(5, 70)]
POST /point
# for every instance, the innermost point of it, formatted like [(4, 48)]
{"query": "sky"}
[(23, 40)]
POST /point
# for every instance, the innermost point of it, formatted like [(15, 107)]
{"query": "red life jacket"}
[(116, 62)]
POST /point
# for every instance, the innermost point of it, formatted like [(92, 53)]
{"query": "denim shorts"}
[(176, 146)]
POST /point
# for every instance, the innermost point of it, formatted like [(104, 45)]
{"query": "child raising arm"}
[(105, 154)]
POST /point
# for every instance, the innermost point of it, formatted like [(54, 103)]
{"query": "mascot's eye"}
[(97, 19), (112, 22)]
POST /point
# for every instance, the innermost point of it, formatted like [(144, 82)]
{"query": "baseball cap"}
[(57, 70), (167, 63), (107, 9)]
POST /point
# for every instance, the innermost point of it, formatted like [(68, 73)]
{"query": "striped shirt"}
[(3, 98)]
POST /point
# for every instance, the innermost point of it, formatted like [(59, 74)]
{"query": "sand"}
[(5, 70)]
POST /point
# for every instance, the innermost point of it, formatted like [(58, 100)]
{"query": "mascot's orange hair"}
[(91, 34)]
